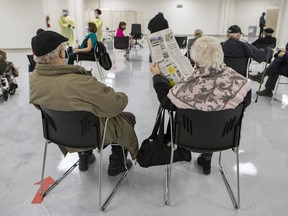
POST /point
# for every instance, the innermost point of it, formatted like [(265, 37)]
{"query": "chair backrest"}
[(136, 31), (238, 64), (121, 42), (181, 41), (79, 129), (263, 46), (201, 131), (32, 63)]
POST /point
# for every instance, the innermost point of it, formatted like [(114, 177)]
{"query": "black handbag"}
[(154, 150), (102, 56)]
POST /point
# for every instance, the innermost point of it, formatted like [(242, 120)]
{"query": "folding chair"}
[(136, 33), (78, 129), (200, 131), (276, 89), (181, 41), (240, 65), (121, 43)]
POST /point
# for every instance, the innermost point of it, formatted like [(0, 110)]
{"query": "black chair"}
[(201, 132), (240, 65), (93, 58), (136, 33), (121, 43), (78, 129), (181, 41), (32, 63)]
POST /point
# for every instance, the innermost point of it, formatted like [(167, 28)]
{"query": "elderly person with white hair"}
[(234, 47), (58, 86), (211, 87)]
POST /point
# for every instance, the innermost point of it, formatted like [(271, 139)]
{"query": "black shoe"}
[(256, 78), (206, 164), (85, 160), (265, 92), (116, 167)]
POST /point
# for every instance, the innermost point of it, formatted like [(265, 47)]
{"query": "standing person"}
[(99, 24), (262, 24), (86, 50), (56, 85), (211, 87), (120, 33), (157, 23), (67, 24)]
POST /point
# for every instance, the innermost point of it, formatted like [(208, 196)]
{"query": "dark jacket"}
[(265, 41), (158, 23), (280, 65), (236, 48), (262, 21), (162, 87)]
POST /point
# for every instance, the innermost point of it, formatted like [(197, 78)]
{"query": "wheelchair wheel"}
[(5, 94)]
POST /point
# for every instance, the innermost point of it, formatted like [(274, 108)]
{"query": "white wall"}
[(19, 21)]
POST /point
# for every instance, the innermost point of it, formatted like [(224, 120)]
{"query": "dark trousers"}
[(272, 78), (261, 31), (81, 57)]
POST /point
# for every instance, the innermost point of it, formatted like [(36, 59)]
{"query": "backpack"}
[(102, 56)]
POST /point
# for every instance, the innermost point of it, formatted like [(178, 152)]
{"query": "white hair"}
[(51, 56), (207, 52), (232, 35)]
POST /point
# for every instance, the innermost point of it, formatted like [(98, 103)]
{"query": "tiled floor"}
[(263, 158)]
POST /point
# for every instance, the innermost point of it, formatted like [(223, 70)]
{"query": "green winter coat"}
[(70, 88)]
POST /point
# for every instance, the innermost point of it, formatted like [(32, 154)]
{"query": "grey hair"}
[(51, 56), (198, 33), (232, 35), (207, 52)]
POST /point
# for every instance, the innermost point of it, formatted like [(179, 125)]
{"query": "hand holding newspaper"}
[(167, 54)]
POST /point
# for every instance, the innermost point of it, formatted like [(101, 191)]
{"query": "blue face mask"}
[(65, 13)]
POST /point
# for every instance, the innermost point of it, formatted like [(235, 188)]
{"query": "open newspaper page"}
[(167, 54)]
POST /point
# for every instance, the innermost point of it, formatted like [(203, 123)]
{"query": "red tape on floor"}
[(46, 184)]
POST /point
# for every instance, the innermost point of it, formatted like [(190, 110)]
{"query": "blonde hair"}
[(198, 33), (207, 52), (51, 56)]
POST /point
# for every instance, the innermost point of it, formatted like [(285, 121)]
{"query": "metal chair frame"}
[(276, 89), (96, 134), (168, 171)]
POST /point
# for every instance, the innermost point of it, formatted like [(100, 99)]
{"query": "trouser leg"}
[(207, 156), (271, 82)]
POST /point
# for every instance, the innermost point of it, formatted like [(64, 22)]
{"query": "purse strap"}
[(159, 125)]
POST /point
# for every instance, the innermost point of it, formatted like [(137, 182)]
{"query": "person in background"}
[(99, 24), (58, 86), (120, 33), (267, 39), (262, 24), (86, 50), (234, 47), (211, 87), (197, 34), (67, 24), (157, 23), (279, 66)]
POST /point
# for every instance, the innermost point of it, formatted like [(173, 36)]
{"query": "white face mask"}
[(96, 15), (65, 13)]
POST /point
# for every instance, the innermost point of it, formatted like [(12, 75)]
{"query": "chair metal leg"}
[(275, 93), (262, 80), (110, 197), (168, 171), (59, 179), (236, 204)]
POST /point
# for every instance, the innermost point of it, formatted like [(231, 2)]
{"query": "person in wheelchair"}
[(211, 87), (56, 85), (86, 49), (8, 71)]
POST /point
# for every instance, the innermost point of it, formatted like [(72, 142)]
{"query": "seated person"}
[(120, 33), (86, 50), (197, 34), (56, 85), (211, 87), (267, 39), (279, 66), (234, 47), (8, 70)]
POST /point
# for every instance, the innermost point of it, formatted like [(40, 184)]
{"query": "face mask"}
[(96, 15), (65, 13), (123, 27)]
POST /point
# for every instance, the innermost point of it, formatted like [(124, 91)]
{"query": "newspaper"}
[(167, 54)]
